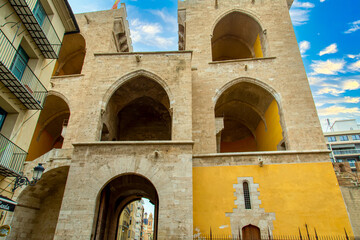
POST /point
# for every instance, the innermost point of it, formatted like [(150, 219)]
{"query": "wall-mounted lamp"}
[(22, 180)]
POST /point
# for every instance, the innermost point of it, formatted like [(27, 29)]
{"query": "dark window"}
[(39, 13), (247, 195), (344, 138), (3, 114), (331, 139), (356, 137), (18, 65)]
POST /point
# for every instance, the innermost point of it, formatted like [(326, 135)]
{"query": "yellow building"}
[(30, 40)]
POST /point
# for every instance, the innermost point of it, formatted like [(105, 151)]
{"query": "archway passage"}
[(237, 36), (72, 55), (136, 221), (138, 111), (247, 119), (51, 127), (251, 232), (114, 200), (38, 209)]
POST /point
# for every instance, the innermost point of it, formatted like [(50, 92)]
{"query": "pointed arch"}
[(247, 105), (238, 34), (130, 76)]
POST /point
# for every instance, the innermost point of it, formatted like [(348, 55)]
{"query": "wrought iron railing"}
[(28, 80), (277, 237), (44, 34), (12, 157), (346, 152)]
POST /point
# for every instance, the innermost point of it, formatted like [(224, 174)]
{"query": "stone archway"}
[(139, 110), (248, 119), (37, 212), (237, 36), (115, 196)]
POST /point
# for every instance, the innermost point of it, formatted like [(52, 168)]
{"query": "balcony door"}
[(19, 63), (39, 13)]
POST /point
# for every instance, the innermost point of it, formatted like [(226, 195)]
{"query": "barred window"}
[(247, 195)]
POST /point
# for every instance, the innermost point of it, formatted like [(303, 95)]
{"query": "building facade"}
[(130, 221), (31, 34), (344, 142), (210, 134)]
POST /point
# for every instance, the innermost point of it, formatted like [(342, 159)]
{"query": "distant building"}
[(344, 142), (130, 222), (148, 229), (31, 36)]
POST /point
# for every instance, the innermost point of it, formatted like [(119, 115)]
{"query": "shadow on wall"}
[(248, 120), (72, 55), (138, 111), (237, 36), (51, 127)]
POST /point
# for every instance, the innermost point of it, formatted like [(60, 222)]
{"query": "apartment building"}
[(344, 142), (31, 33)]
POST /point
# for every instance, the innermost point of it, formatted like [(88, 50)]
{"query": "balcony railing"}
[(29, 90), (347, 152), (12, 158), (43, 34)]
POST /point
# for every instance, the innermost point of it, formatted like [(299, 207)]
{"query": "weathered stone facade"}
[(188, 84)]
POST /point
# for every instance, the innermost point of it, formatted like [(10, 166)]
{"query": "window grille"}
[(246, 195)]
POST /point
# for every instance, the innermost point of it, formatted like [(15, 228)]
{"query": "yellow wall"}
[(268, 140), (244, 145), (39, 146), (257, 48), (296, 193)]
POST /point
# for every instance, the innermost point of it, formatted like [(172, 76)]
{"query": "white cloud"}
[(316, 80), (299, 12), (303, 4), (328, 67), (330, 49), (168, 18), (150, 34), (355, 66), (338, 110), (329, 90), (351, 85), (336, 100), (304, 47), (299, 16), (322, 0), (354, 26)]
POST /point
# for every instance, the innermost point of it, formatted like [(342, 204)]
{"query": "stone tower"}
[(222, 134)]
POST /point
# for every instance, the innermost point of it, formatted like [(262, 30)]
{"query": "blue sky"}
[(328, 33)]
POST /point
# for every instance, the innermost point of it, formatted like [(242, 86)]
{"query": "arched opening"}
[(251, 232), (248, 120), (136, 221), (38, 208), (138, 111), (72, 55), (114, 207), (51, 127), (237, 36)]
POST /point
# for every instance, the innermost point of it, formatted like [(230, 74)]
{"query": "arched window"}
[(248, 119), (246, 195), (138, 111), (237, 36)]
